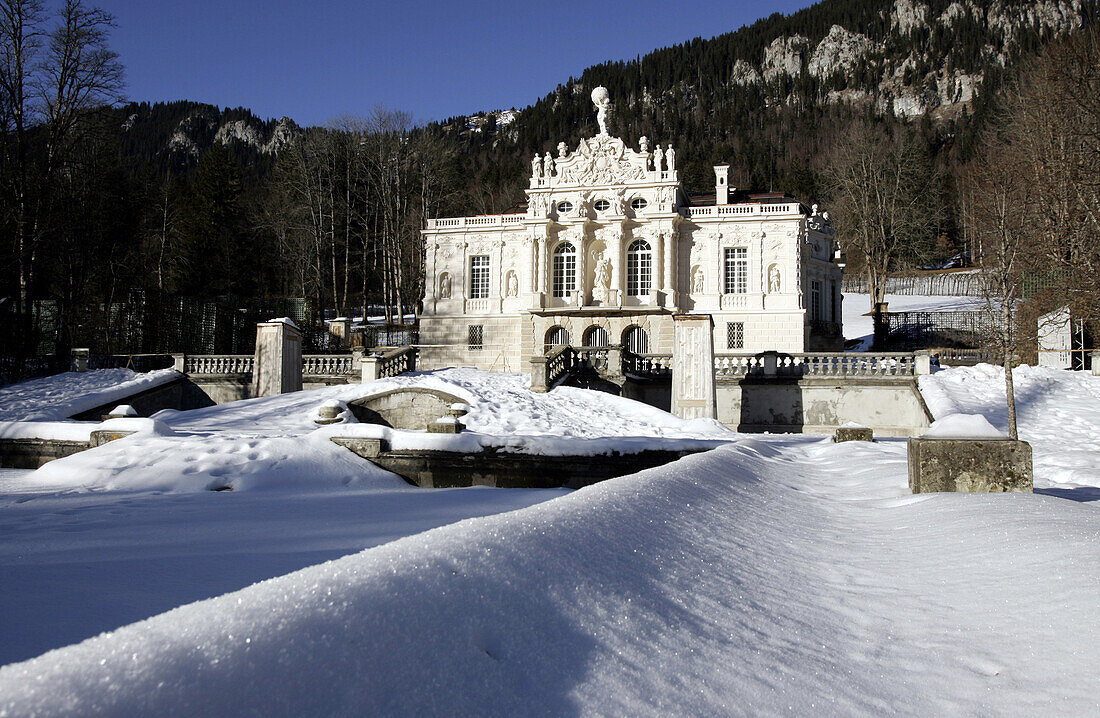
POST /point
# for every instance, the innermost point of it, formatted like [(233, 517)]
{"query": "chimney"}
[(722, 183)]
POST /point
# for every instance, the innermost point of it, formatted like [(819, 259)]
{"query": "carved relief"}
[(600, 160)]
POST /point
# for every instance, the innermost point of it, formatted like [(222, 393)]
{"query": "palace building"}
[(611, 248)]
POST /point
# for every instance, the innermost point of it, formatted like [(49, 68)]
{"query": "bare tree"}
[(886, 197), (51, 78)]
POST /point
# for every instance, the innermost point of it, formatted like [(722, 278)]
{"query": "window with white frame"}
[(815, 300), (737, 270), (735, 335), (565, 270), (639, 268), (479, 276)]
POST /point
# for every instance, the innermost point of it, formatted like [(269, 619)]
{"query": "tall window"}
[(815, 300), (479, 277), (636, 340), (639, 268), (565, 270), (737, 270)]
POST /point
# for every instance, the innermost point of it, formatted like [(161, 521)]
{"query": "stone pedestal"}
[(969, 465), (80, 359), (854, 433), (693, 385), (340, 330), (278, 365)]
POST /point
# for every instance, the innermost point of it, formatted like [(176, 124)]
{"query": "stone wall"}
[(410, 408), (819, 406)]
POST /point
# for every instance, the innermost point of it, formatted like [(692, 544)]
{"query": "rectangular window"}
[(735, 335), (815, 300), (737, 270), (479, 277), (475, 333)]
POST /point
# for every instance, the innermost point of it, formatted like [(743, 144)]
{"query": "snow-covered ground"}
[(858, 323), (773, 575), (58, 397)]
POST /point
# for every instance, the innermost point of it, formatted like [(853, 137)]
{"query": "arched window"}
[(565, 270), (596, 337), (636, 340), (639, 268), (556, 337)]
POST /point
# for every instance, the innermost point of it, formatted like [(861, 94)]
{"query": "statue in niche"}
[(670, 158), (512, 284), (773, 280), (618, 202), (563, 150), (602, 101), (444, 286), (697, 281), (536, 166), (549, 165), (658, 155), (601, 288)]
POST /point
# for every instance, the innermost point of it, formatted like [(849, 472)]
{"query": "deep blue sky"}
[(315, 60)]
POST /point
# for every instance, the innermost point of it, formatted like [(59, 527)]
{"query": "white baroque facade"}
[(610, 249)]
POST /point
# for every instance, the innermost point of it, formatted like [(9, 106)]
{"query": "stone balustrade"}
[(217, 364), (741, 210), (872, 365), (491, 220), (326, 364), (649, 366), (390, 363)]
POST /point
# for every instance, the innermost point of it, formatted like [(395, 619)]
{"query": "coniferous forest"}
[(131, 227)]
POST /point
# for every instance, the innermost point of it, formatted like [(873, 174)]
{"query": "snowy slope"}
[(62, 395), (753, 580), (1058, 413)]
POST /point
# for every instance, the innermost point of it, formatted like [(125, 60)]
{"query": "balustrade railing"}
[(741, 209), (876, 365), (326, 364), (397, 361), (215, 364), (559, 363), (649, 366), (595, 357)]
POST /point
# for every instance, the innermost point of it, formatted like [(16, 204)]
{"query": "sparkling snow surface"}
[(774, 575)]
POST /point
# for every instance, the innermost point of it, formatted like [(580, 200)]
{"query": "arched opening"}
[(564, 270), (636, 340), (556, 337), (639, 268), (595, 337)]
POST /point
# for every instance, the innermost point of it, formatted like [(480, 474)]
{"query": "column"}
[(582, 271), (657, 256), (668, 255), (544, 263)]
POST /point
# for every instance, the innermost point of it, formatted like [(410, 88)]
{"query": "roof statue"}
[(603, 106)]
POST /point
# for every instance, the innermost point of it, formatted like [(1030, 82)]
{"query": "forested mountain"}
[(770, 97)]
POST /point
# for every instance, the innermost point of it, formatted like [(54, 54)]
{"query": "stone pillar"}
[(340, 330), (538, 374), (278, 360), (370, 368), (1096, 363), (657, 256), (922, 363), (693, 385), (544, 264), (79, 359), (582, 272), (179, 362)]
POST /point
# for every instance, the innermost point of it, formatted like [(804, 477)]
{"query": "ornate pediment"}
[(602, 160)]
